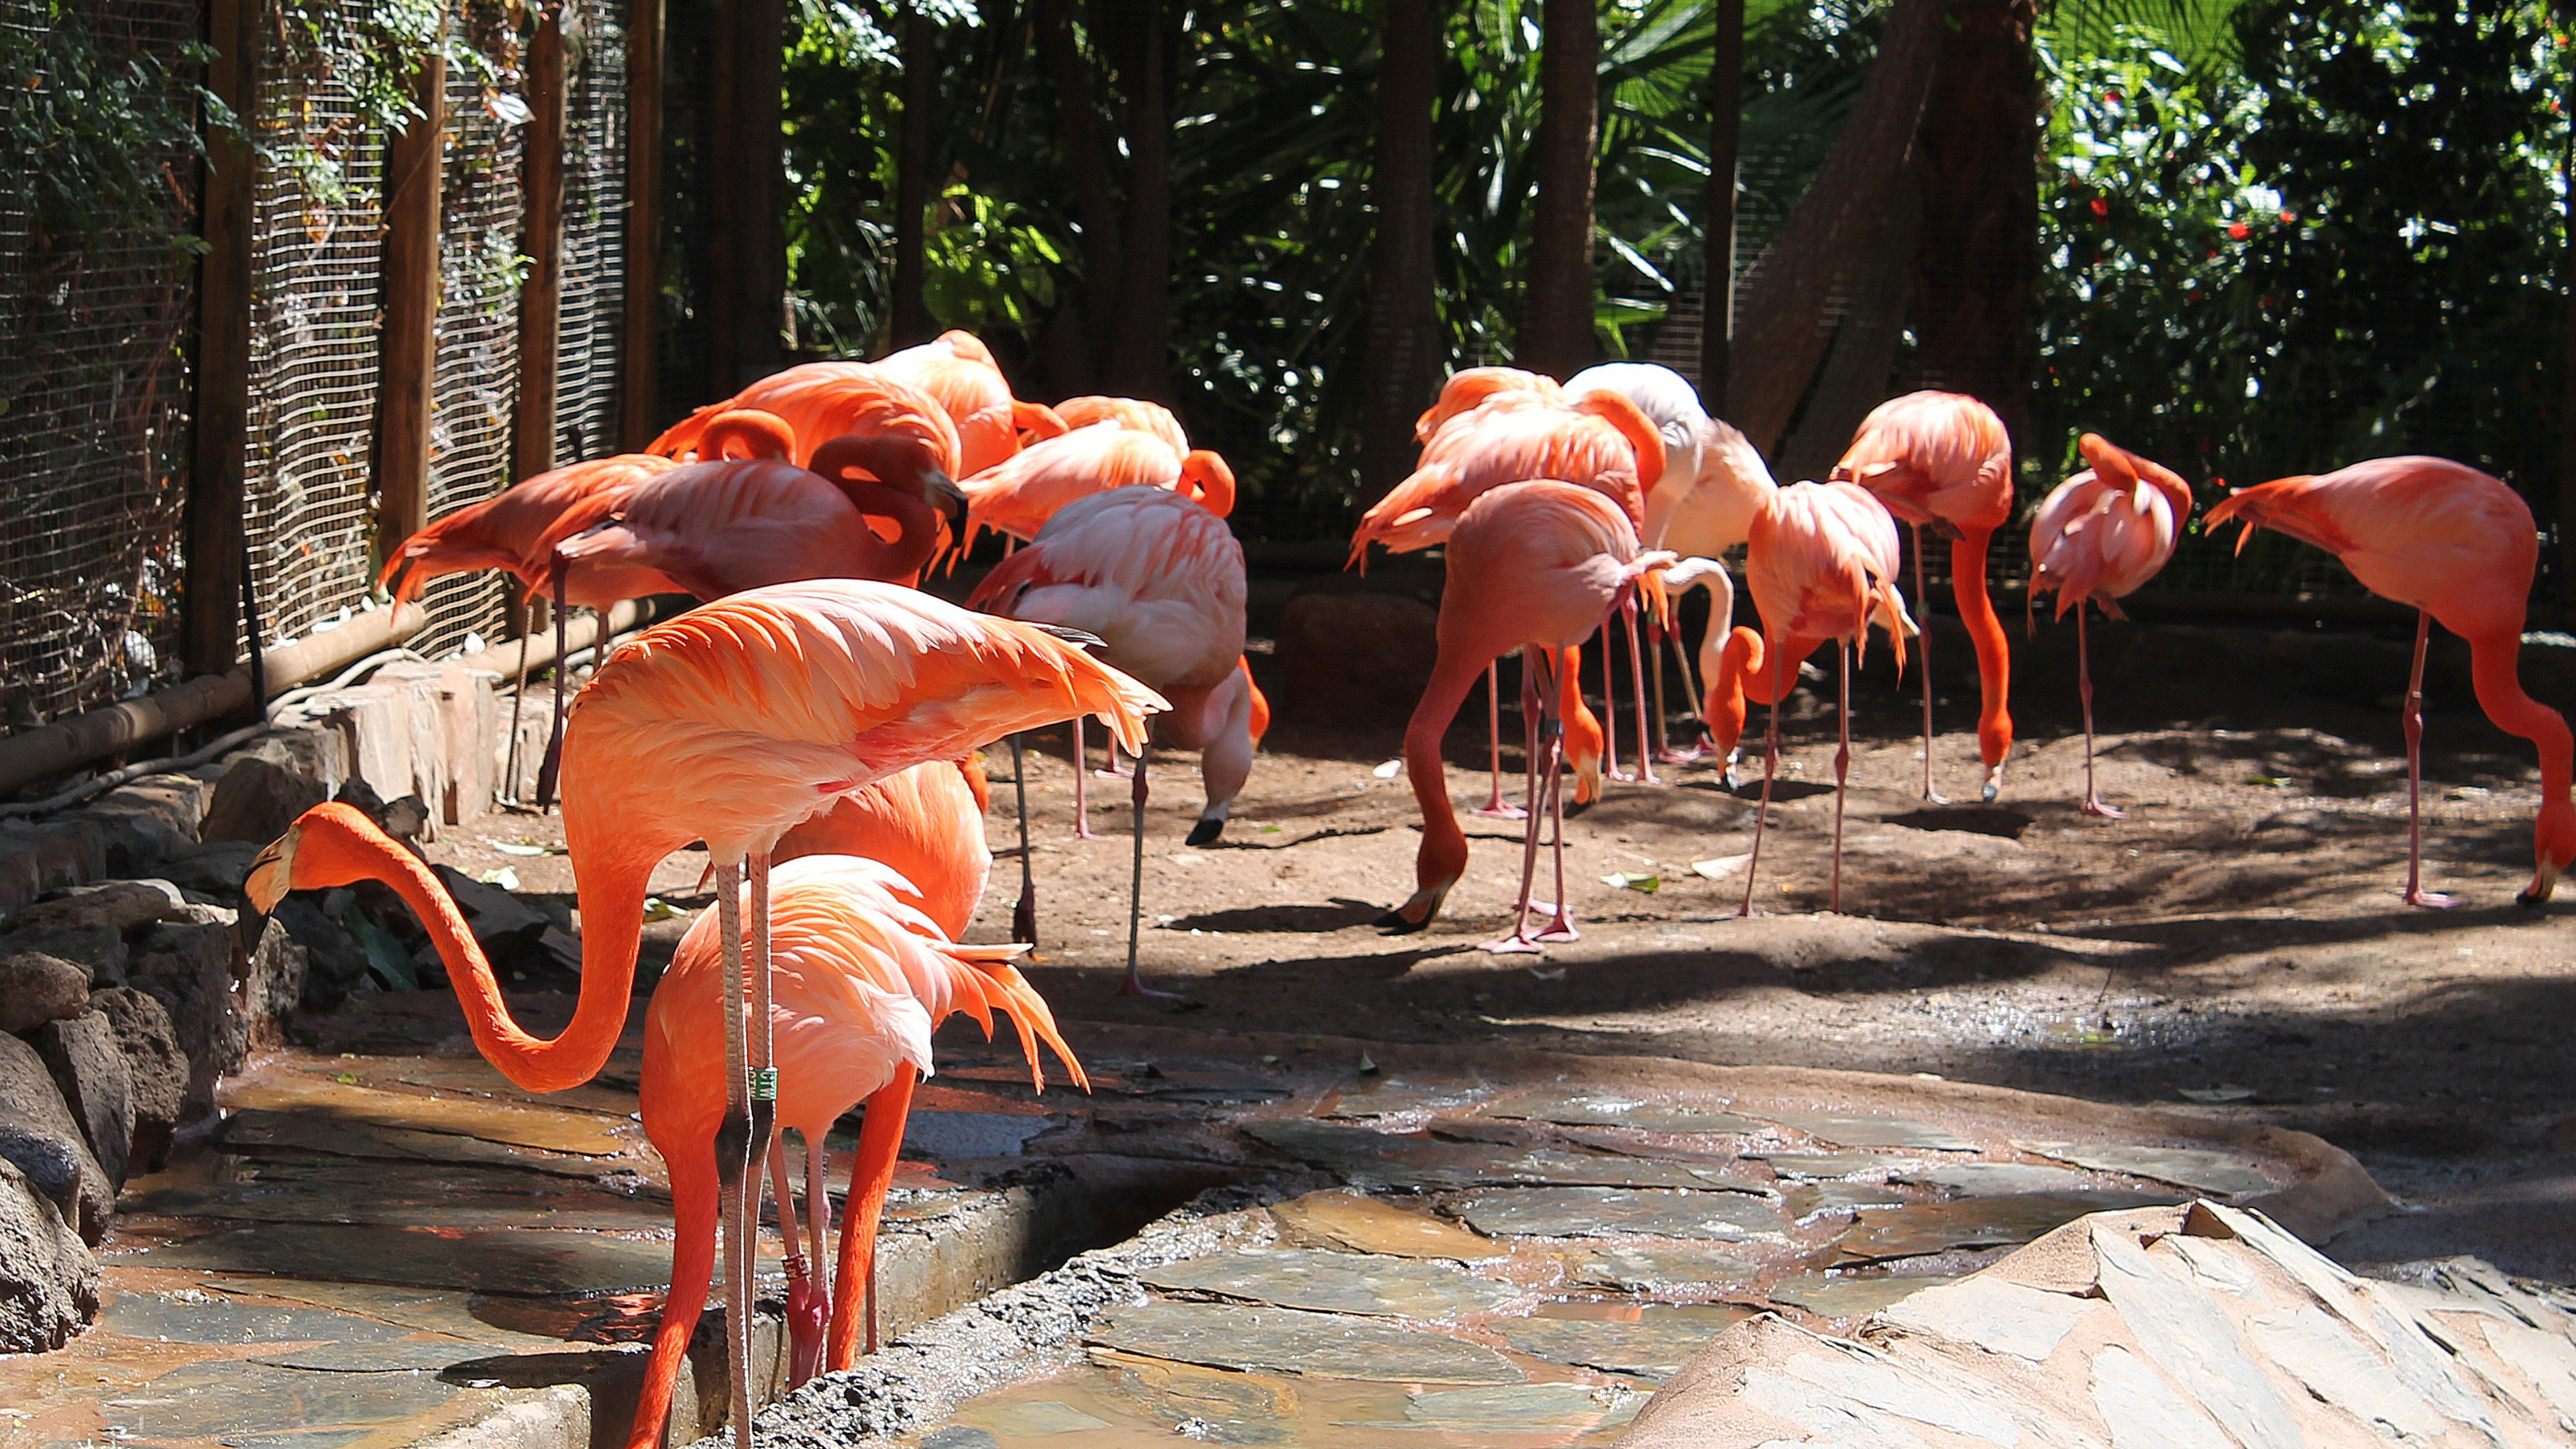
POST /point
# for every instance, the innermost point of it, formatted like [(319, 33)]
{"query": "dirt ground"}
[(2239, 936)]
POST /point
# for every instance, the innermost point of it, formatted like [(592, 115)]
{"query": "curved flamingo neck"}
[(612, 914), (1214, 480), (1723, 709), (1442, 858), (916, 529), (1986, 632), (2494, 668), (1771, 671)]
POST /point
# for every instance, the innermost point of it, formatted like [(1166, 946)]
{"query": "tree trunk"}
[(1979, 256), (1087, 167), (2567, 385), (910, 321), (1140, 330), (1725, 141), (1556, 327), (1404, 350), (746, 186)]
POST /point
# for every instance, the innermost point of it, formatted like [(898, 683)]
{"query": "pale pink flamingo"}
[(1468, 389), (1127, 412), (2455, 545), (1943, 458), (1017, 496), (2098, 537)]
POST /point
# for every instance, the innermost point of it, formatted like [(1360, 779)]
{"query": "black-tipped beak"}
[(267, 884), (947, 497)]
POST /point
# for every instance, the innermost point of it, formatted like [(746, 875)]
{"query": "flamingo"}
[(1943, 458), (717, 528), (1534, 566), (1521, 427), (2097, 537), (1822, 565), (1714, 481), (1017, 496), (817, 401), (1126, 412), (729, 725), (958, 370), (2457, 546), (1467, 389), (1161, 580), (927, 823)]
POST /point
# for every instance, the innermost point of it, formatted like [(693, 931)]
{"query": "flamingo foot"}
[(1624, 777), (1085, 832), (1135, 985), (1678, 754), (1994, 784), (1560, 930), (1499, 808), (1515, 944), (2093, 806), (2430, 900), (1114, 772), (1935, 797)]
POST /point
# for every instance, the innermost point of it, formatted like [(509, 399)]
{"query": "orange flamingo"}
[(1534, 566), (1822, 566), (1520, 426), (2455, 545), (2097, 537), (1127, 412), (817, 401), (502, 532), (729, 725), (1018, 496), (1161, 581), (958, 369), (1944, 459), (1469, 388), (926, 823)]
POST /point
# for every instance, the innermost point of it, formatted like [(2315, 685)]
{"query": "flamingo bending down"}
[(1943, 458), (1469, 388), (1534, 566), (2458, 546), (730, 724), (1019, 495), (1822, 566), (818, 401), (1161, 581), (502, 532), (2097, 537), (926, 823), (958, 370), (1127, 412)]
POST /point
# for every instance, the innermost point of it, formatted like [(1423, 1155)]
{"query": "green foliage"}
[(98, 136), (367, 57)]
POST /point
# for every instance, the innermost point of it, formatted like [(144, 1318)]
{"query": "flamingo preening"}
[(817, 401), (958, 371), (2455, 545), (1017, 496)]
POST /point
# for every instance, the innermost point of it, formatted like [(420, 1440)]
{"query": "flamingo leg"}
[(1560, 926), (733, 1158), (1024, 912), (2416, 895), (763, 1071), (1770, 767), (1539, 697), (551, 770), (1081, 770), (808, 1306), (1923, 607), (518, 692), (871, 1175), (1842, 770), (1609, 715), (1637, 689), (1496, 806), (1134, 985), (2084, 689), (693, 1259), (1663, 727)]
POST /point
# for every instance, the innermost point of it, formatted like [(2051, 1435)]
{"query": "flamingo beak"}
[(272, 873), (2543, 882), (943, 493)]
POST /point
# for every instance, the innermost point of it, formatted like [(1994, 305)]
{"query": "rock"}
[(98, 951), (35, 859), (149, 820), (36, 988), (1354, 660), (39, 1134), (119, 905), (156, 1070), (402, 818), (48, 1280), (89, 1069), (257, 799), (187, 966), (500, 920), (272, 984), (333, 964), (213, 871)]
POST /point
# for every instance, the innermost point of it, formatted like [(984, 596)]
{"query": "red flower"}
[(2239, 230), (2217, 482), (2289, 216), (2101, 207)]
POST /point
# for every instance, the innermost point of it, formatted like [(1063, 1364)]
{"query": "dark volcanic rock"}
[(156, 1070), (36, 988), (257, 799), (187, 966), (88, 1064), (37, 1133), (48, 1280)]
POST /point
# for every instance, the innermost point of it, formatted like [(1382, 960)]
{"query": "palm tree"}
[(1404, 353)]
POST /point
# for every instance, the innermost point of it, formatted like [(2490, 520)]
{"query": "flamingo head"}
[(2553, 846), (742, 434), (809, 1314), (900, 455), (331, 844)]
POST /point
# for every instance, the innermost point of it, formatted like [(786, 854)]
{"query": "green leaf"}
[(1643, 882), (385, 957)]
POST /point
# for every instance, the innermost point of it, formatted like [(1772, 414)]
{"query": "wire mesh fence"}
[(94, 383), (591, 337)]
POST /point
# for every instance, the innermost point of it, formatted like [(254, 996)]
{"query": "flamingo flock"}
[(815, 723)]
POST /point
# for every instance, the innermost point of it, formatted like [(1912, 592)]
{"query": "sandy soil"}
[(2239, 933)]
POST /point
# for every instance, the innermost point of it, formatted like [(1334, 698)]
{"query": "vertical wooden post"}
[(210, 626), (408, 347), (541, 179), (637, 380), (1725, 142), (746, 187)]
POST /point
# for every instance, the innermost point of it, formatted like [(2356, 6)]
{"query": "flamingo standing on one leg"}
[(958, 369), (1161, 581), (1822, 566), (731, 724), (1944, 459), (2454, 545), (2098, 537), (1534, 566)]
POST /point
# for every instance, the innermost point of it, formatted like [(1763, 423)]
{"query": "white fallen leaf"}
[(658, 909), (1389, 770), (1719, 867), (1640, 881), (509, 847), (504, 877), (2223, 1092)]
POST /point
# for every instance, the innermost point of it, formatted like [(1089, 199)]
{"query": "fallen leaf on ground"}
[(1389, 770), (2223, 1092), (1719, 867), (1643, 882)]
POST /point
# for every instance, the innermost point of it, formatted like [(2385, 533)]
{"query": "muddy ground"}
[(2238, 936)]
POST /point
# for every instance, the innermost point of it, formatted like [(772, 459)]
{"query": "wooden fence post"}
[(408, 348), (541, 178), (210, 623), (637, 379)]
